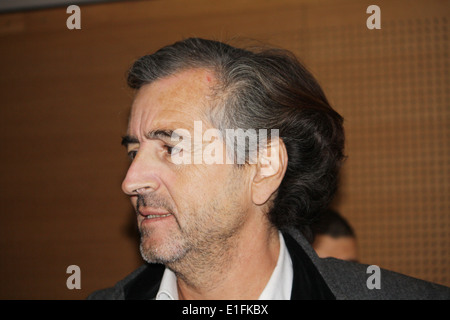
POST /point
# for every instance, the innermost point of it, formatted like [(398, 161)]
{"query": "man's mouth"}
[(152, 216), (152, 213)]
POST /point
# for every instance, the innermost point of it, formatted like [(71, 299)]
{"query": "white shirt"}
[(278, 287)]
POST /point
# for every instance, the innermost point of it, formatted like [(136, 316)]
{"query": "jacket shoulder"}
[(117, 292), (349, 280)]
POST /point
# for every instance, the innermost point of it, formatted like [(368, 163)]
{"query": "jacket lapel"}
[(146, 285), (307, 284)]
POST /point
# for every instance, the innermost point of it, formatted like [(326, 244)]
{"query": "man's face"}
[(181, 208), (343, 248)]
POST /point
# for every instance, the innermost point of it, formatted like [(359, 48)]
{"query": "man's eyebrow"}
[(160, 134), (127, 139), (151, 135)]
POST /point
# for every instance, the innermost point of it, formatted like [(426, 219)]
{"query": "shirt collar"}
[(279, 286), (168, 288)]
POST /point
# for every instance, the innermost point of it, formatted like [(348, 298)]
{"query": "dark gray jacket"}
[(314, 278)]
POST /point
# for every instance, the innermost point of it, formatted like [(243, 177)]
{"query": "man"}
[(334, 237), (229, 228)]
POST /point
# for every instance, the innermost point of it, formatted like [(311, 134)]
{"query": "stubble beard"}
[(207, 251), (203, 245), (170, 251), (200, 243)]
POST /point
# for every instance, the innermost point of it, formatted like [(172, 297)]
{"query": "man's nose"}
[(142, 175)]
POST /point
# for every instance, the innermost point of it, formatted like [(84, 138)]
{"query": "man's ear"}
[(270, 170)]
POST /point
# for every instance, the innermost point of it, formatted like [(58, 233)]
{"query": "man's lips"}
[(148, 213)]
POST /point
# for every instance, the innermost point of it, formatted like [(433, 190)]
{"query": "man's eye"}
[(132, 154), (172, 150)]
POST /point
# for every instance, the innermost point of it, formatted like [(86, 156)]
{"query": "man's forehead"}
[(177, 100)]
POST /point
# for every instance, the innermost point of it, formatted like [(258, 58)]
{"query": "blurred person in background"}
[(334, 237)]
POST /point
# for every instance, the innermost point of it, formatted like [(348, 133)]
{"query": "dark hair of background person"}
[(331, 223), (266, 89)]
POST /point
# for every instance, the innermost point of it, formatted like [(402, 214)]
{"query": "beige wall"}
[(65, 103)]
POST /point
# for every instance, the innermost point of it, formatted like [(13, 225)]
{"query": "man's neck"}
[(238, 269)]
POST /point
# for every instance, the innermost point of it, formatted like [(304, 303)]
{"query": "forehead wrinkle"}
[(188, 81), (180, 99), (186, 89)]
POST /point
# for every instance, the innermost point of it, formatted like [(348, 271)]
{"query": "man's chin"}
[(163, 253)]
